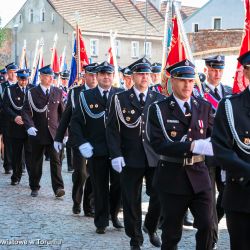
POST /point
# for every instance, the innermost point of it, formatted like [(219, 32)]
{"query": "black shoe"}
[(34, 193), (135, 248), (7, 172), (60, 192), (116, 223), (23, 171), (70, 169), (76, 208), (187, 222), (14, 183), (153, 237), (100, 230), (47, 158), (89, 214)]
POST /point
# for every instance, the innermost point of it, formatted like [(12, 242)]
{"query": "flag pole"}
[(22, 55), (53, 50), (116, 82), (186, 44), (33, 70)]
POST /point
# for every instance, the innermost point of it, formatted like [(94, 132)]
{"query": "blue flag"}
[(35, 78), (73, 68)]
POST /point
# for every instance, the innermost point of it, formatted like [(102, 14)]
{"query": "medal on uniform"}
[(18, 98), (96, 105), (132, 111), (246, 141), (124, 111), (127, 118), (201, 125), (173, 133), (91, 106)]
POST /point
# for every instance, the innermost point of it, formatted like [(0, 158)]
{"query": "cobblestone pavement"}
[(48, 223)]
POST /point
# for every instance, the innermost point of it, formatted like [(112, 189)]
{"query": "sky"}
[(11, 7)]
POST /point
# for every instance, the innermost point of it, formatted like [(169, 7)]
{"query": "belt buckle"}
[(188, 161)]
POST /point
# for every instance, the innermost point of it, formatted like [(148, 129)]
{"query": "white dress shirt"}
[(181, 103), (137, 93)]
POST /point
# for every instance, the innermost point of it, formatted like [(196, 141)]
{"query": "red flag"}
[(84, 60), (240, 82), (111, 57), (55, 64), (177, 51)]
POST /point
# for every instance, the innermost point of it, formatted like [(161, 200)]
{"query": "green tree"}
[(3, 36)]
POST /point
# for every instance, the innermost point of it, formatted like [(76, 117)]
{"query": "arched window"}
[(20, 18), (31, 15), (42, 15), (52, 17)]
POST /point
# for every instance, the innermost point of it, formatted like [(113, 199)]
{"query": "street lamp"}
[(15, 33)]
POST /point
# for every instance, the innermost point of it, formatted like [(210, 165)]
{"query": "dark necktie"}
[(23, 90), (105, 96), (47, 92), (188, 113), (141, 95), (216, 94)]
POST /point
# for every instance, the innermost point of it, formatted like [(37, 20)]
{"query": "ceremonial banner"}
[(240, 82), (55, 62), (110, 56)]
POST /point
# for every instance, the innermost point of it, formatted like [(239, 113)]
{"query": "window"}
[(31, 16), (52, 17), (20, 18), (118, 48), (217, 23), (147, 49), (42, 15), (94, 47), (134, 49), (195, 27)]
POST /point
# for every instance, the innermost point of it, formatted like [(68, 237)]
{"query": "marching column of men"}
[(127, 136)]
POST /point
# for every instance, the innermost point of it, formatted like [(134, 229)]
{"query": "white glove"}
[(118, 163), (65, 139), (32, 131), (86, 150), (203, 147), (58, 146)]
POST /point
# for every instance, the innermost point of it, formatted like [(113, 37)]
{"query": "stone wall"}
[(208, 42)]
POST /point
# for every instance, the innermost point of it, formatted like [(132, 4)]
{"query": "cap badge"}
[(105, 64), (143, 60), (218, 58), (187, 63)]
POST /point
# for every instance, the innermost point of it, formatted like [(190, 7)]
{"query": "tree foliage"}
[(3, 36)]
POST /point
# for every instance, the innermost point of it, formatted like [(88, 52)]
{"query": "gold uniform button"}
[(233, 179), (142, 114), (189, 129), (241, 179), (48, 126), (143, 140), (190, 139), (143, 131), (48, 118)]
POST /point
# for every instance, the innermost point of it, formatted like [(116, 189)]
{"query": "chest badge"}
[(91, 106), (96, 105), (132, 111), (201, 125), (128, 118), (18, 98), (124, 111)]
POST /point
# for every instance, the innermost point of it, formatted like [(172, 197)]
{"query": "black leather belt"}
[(183, 161)]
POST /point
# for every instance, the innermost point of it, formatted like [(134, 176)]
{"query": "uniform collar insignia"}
[(207, 89), (195, 102), (172, 103), (150, 95), (132, 95)]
